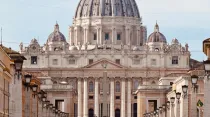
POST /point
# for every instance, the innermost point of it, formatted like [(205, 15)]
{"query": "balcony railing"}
[(154, 87), (56, 87)]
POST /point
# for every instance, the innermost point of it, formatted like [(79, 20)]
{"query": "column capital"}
[(97, 78), (111, 78)]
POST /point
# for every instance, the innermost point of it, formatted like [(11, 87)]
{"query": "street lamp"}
[(168, 104), (44, 98), (34, 89), (184, 90), (18, 68), (178, 96), (172, 99), (39, 95), (164, 106), (27, 80), (194, 80)]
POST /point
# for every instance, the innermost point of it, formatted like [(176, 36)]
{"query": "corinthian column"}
[(137, 36), (129, 99), (127, 35), (112, 110), (123, 98), (85, 37), (98, 37), (101, 36), (96, 101), (85, 98), (113, 35), (79, 110)]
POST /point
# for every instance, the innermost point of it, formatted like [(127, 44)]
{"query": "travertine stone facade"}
[(73, 71)]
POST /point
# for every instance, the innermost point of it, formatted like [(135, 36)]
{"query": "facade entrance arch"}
[(117, 112), (91, 113)]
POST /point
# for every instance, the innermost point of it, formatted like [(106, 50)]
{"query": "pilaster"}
[(112, 105), (129, 98), (123, 97)]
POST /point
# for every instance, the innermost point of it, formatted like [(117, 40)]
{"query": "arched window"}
[(91, 87), (117, 86), (136, 84)]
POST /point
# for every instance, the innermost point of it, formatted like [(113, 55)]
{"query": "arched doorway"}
[(117, 112), (91, 113)]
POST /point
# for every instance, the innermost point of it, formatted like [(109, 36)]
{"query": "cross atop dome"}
[(156, 29), (56, 28)]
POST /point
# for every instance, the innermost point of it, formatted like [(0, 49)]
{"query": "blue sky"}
[(186, 20)]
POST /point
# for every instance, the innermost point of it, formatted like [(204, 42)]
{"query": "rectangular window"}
[(72, 61), (152, 105), (117, 61), (59, 104), (136, 61), (135, 97), (33, 60), (94, 36), (90, 61), (117, 97), (118, 36), (90, 97), (106, 36), (175, 60), (153, 61), (55, 61)]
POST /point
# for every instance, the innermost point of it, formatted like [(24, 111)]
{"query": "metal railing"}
[(154, 87)]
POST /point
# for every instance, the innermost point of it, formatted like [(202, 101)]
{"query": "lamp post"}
[(105, 90), (194, 80), (164, 110), (172, 99), (160, 111), (27, 94), (168, 109), (178, 96)]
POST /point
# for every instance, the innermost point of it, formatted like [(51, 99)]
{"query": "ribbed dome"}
[(156, 36), (87, 8), (56, 35)]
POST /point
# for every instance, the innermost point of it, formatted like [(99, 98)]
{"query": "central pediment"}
[(104, 63)]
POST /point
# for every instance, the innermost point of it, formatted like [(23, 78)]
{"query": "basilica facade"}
[(104, 60)]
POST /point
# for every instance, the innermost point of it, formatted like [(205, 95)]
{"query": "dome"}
[(88, 8), (56, 35), (156, 36), (175, 41), (34, 41)]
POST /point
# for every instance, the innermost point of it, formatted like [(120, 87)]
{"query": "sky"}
[(186, 20)]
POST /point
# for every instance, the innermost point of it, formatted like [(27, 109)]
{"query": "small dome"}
[(56, 36), (156, 36), (73, 48), (34, 41), (175, 41)]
